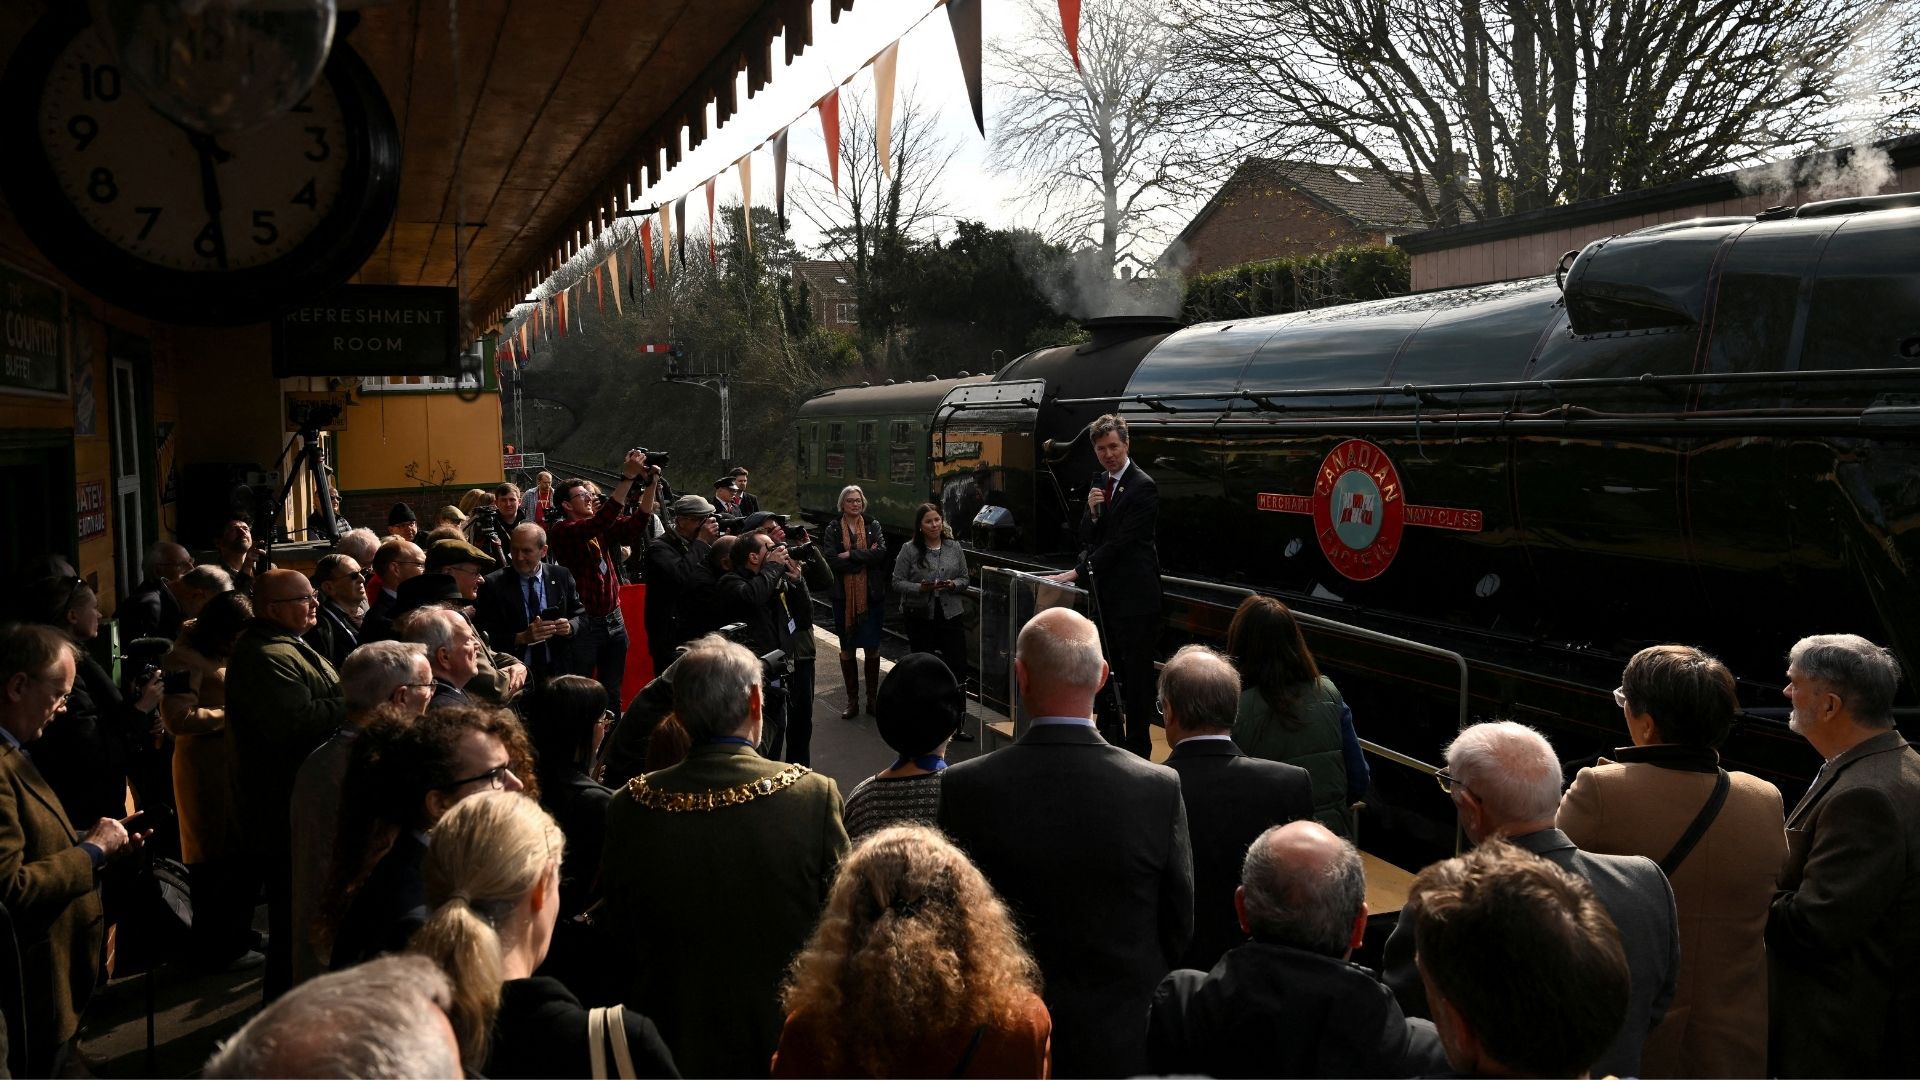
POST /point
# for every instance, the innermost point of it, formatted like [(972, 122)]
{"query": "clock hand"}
[(210, 154)]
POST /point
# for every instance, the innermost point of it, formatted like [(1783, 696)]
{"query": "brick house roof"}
[(1363, 196), (828, 279)]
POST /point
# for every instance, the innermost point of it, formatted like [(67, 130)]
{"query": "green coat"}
[(709, 906), (1311, 742), (283, 700), (46, 883)]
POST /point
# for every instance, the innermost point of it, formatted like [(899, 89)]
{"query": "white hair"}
[(372, 672), (712, 681), (1054, 659), (840, 504), (1510, 767), (1862, 673), (360, 544), (528, 526), (384, 1018)]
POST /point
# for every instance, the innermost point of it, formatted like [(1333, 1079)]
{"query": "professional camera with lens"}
[(773, 665), (655, 457)]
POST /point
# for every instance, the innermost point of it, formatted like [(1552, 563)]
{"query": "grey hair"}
[(1202, 686), (151, 564), (840, 503), (529, 526), (384, 1018), (360, 543), (1059, 661), (1862, 673), (207, 579), (375, 670), (1510, 767), (1306, 908), (432, 627), (711, 683)]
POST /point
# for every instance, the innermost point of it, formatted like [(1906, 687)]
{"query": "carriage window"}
[(866, 464), (902, 433)]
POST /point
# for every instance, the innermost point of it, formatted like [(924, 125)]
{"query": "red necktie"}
[(1109, 491)]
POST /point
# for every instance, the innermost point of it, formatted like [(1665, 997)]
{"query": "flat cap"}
[(445, 553), (689, 506)]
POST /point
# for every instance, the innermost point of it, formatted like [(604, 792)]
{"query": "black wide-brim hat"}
[(920, 704), (426, 590)]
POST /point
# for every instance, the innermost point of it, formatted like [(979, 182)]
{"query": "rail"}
[(1366, 635)]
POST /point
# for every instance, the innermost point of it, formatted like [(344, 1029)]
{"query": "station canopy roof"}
[(563, 109)]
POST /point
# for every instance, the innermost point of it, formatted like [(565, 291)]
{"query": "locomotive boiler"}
[(1705, 432)]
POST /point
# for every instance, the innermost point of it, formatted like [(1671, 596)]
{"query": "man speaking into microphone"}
[(1121, 567)]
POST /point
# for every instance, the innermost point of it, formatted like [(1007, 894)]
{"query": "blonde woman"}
[(493, 884), (915, 970), (856, 550)]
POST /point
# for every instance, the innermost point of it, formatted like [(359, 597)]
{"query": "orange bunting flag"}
[(884, 68), (599, 290), (523, 334), (666, 239), (830, 125), (780, 178), (613, 271), (561, 302), (646, 248), (963, 17), (746, 197), (1070, 25), (680, 220), (713, 256)]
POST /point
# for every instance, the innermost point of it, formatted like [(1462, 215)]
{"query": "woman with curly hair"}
[(492, 876), (915, 970)]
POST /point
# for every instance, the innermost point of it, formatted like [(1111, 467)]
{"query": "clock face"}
[(184, 200)]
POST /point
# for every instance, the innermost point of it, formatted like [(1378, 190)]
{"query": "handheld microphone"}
[(1099, 480)]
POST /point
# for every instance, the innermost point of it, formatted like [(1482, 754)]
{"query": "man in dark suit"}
[(1121, 566), (153, 608), (1288, 1003), (513, 597), (1088, 845), (47, 871), (397, 561), (1230, 798), (342, 587), (1843, 937), (1505, 782)]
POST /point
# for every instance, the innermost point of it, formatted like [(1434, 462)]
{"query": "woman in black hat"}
[(920, 706)]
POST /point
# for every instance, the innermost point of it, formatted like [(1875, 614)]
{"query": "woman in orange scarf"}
[(857, 550)]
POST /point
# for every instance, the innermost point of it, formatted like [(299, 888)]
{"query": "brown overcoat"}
[(1716, 1025), (46, 883)]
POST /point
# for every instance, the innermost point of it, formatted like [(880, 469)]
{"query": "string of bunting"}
[(552, 315)]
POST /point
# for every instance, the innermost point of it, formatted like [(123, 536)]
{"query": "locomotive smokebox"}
[(1111, 330)]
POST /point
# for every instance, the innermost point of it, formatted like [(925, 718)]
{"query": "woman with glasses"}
[(856, 550), (1678, 704), (88, 753), (492, 877), (403, 777), (1290, 712), (569, 717), (194, 711)]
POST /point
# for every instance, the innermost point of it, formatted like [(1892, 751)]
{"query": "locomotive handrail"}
[(1362, 633), (1554, 386)]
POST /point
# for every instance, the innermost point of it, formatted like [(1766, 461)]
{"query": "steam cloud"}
[(1862, 169)]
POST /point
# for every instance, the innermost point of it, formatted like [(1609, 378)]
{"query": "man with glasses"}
[(396, 562), (531, 608), (342, 586), (283, 700), (49, 889), (500, 675), (153, 608), (452, 649), (586, 542), (1504, 779)]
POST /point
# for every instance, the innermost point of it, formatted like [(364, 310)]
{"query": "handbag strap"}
[(617, 1035), (966, 1059), (1701, 823), (597, 1042)]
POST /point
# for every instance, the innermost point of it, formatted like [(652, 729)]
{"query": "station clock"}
[(183, 226)]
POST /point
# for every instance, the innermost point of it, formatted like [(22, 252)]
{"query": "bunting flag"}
[(780, 178), (963, 16), (646, 248), (884, 67), (523, 331), (830, 126), (613, 271), (1070, 25), (666, 240), (746, 196), (560, 302), (713, 256), (680, 220), (599, 290)]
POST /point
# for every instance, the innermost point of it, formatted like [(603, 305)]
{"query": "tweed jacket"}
[(46, 883), (1843, 935), (708, 906), (1640, 806)]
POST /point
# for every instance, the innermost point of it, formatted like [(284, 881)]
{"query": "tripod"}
[(313, 459)]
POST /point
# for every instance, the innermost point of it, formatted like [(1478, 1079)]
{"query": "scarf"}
[(855, 582)]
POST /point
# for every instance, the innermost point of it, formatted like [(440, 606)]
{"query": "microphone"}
[(1093, 512)]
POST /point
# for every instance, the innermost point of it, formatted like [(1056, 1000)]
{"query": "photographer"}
[(490, 526), (755, 592), (815, 575), (673, 566), (586, 542)]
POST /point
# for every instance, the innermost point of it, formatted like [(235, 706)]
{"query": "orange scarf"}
[(854, 583)]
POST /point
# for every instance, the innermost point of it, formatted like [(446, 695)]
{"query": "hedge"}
[(1274, 286)]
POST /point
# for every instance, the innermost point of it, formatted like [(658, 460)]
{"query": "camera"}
[(773, 665), (654, 457)]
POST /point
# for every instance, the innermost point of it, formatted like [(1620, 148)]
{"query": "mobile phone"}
[(177, 682), (551, 613)]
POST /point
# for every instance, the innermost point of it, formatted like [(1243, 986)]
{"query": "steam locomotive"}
[(1706, 431)]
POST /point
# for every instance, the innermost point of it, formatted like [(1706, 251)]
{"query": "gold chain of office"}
[(680, 802)]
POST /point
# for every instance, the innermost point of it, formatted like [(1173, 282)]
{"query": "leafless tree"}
[(1099, 151), (1499, 106), (874, 217)]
